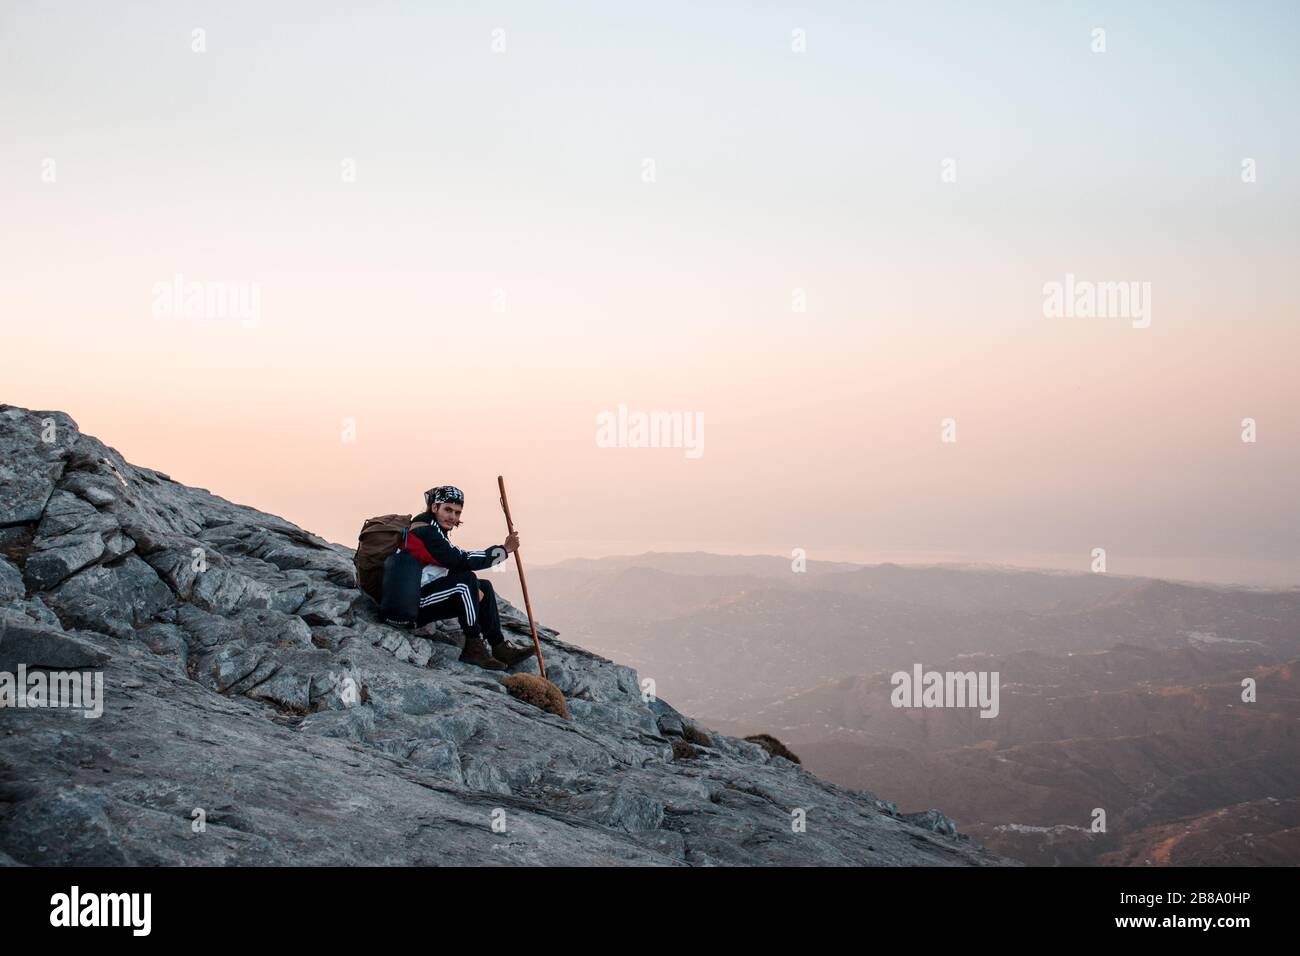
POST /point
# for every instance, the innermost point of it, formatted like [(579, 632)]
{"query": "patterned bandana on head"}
[(444, 493)]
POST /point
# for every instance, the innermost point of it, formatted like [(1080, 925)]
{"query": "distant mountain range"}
[(1118, 694)]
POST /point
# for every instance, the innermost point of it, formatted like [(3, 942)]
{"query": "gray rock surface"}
[(256, 712)]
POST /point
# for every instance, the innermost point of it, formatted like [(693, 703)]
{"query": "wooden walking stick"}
[(519, 563)]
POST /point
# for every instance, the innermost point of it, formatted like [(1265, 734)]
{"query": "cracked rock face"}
[(255, 712)]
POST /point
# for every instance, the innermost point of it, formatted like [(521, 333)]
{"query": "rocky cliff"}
[(255, 712)]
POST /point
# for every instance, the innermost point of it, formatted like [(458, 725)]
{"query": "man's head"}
[(446, 503)]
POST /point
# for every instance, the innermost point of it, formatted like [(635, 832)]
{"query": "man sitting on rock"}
[(449, 587)]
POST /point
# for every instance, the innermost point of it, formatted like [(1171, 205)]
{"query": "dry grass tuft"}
[(774, 747), (539, 692), (684, 751), (696, 736)]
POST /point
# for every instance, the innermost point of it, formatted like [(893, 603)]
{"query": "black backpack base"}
[(401, 604)]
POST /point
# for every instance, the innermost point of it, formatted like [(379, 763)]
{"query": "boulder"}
[(11, 583), (56, 559), (933, 820), (33, 451), (115, 597), (24, 641)]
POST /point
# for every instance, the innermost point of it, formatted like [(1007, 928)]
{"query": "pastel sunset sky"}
[(473, 228)]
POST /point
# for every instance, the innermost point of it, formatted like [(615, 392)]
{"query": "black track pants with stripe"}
[(456, 595)]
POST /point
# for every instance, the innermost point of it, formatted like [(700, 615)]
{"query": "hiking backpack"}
[(401, 601), (380, 537)]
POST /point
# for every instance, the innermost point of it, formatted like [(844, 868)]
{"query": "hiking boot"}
[(511, 654), (476, 652)]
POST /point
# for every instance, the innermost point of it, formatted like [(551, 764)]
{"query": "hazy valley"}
[(1118, 694)]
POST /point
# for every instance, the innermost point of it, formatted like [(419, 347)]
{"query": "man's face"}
[(447, 515)]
